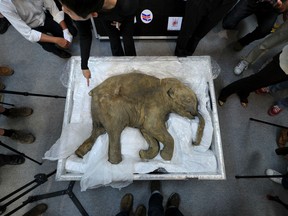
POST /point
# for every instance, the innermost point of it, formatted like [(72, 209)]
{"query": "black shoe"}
[(4, 24), (62, 53), (11, 159), (155, 185), (37, 210), (173, 200)]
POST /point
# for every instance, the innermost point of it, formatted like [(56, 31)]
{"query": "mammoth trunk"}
[(200, 130)]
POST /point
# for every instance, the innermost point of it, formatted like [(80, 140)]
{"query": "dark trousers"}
[(200, 17), (269, 75), (156, 207), (52, 27), (126, 31), (265, 14)]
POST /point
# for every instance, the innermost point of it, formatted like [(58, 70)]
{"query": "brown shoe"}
[(22, 137), (6, 71), (283, 138), (140, 211), (126, 203), (173, 200), (18, 112), (37, 210)]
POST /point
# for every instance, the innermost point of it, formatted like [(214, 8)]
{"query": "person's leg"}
[(266, 20), (270, 74), (4, 24), (155, 205), (127, 31), (207, 23), (241, 10), (114, 37), (50, 26), (195, 10), (284, 181), (278, 37), (278, 87)]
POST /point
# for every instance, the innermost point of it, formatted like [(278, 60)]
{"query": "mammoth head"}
[(182, 99)]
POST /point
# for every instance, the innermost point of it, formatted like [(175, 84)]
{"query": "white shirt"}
[(283, 58), (27, 14)]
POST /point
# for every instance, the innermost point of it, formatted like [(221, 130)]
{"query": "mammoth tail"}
[(200, 130)]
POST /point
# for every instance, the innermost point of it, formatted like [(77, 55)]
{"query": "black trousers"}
[(126, 31), (269, 75), (200, 17), (52, 27)]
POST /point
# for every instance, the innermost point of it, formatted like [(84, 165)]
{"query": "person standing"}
[(199, 18), (117, 17)]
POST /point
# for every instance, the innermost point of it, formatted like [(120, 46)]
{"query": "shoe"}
[(220, 102), (126, 203), (22, 137), (155, 185), (274, 172), (274, 110), (173, 200), (242, 66), (244, 102), (11, 159), (283, 138), (6, 71), (4, 24), (18, 112), (238, 46), (140, 211), (2, 86), (37, 210), (263, 90), (62, 53)]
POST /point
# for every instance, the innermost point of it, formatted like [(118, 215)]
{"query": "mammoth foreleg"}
[(153, 149), (88, 143)]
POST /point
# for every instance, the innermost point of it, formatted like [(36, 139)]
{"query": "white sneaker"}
[(241, 66), (274, 172)]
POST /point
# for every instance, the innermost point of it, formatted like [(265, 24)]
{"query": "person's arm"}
[(85, 36), (58, 16), (62, 42)]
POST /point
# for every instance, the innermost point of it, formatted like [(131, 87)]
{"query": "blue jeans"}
[(283, 103), (266, 17)]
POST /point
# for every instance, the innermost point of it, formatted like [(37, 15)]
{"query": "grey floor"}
[(248, 146)]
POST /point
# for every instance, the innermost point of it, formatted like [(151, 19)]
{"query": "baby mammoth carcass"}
[(144, 102)]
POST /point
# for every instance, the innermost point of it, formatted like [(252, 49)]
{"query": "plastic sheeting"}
[(97, 171)]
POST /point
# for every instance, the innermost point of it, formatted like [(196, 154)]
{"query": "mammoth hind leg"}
[(153, 149), (88, 143)]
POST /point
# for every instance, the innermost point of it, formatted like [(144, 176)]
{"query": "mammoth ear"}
[(171, 93)]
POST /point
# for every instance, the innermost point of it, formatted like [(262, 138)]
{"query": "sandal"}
[(11, 159)]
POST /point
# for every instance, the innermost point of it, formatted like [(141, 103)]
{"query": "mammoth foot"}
[(83, 149), (148, 154), (115, 160), (166, 155)]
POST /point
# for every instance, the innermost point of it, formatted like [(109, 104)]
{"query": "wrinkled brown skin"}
[(144, 102)]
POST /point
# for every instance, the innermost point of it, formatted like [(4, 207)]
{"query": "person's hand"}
[(116, 24), (87, 75), (67, 35), (62, 42)]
